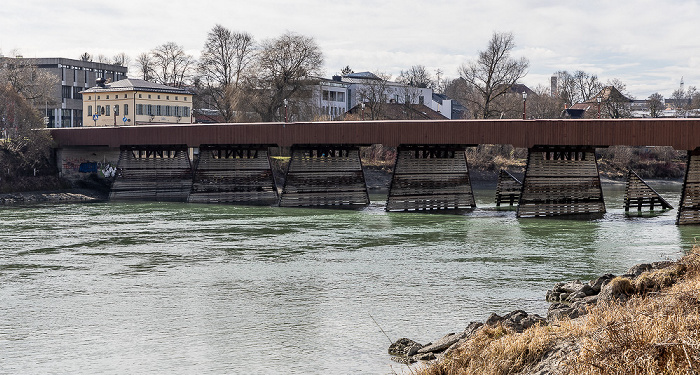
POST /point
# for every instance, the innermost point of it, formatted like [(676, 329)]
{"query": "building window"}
[(168, 110), (149, 96), (107, 110), (139, 109), (324, 96), (421, 100), (76, 93), (66, 92), (158, 96), (89, 97), (167, 97), (149, 109), (98, 97), (100, 110), (89, 110), (126, 110), (176, 98), (186, 111), (116, 110), (139, 96), (185, 98), (159, 111), (341, 96)]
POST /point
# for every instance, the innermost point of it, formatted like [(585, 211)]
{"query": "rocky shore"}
[(569, 300), (67, 196)]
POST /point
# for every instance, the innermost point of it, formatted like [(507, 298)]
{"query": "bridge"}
[(229, 163)]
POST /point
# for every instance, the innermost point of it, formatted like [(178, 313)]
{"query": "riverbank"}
[(645, 321), (59, 196)]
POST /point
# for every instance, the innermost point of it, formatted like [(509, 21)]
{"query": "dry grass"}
[(657, 331)]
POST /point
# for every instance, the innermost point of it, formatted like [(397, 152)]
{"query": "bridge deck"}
[(681, 134)]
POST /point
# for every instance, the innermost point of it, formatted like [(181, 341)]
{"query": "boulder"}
[(442, 344), (597, 284), (618, 289), (401, 346), (517, 320)]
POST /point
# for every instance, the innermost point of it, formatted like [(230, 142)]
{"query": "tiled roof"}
[(398, 111)]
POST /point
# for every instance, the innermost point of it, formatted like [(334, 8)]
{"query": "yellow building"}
[(135, 102)]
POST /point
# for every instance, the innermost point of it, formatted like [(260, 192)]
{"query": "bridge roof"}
[(681, 134)]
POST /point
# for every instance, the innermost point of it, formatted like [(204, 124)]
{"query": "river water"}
[(183, 288)]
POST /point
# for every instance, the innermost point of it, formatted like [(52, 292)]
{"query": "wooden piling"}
[(325, 176), (237, 174), (639, 194), (153, 173), (689, 206), (561, 180), (430, 177), (508, 188)]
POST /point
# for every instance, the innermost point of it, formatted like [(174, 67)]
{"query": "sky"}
[(648, 45)]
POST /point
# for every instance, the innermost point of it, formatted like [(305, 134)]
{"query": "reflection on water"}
[(178, 288)]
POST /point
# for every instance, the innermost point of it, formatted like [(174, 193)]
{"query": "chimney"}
[(337, 78), (553, 88)]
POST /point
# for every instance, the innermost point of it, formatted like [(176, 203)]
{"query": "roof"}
[(398, 111), (134, 84), (362, 75), (609, 93)]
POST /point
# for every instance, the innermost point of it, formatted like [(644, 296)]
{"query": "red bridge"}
[(231, 163)]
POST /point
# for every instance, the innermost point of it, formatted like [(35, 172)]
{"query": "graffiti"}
[(107, 171), (87, 168)]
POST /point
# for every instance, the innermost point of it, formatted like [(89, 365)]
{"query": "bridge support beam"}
[(153, 173), (239, 174), (689, 206), (561, 180), (508, 188), (430, 177), (325, 176), (639, 194)]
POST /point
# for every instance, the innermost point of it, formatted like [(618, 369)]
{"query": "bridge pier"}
[(689, 206), (561, 180), (430, 177), (325, 176), (153, 173), (239, 174)]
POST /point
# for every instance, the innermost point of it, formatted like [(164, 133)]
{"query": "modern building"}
[(135, 102), (65, 107)]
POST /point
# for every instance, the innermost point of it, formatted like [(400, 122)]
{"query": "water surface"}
[(185, 288)]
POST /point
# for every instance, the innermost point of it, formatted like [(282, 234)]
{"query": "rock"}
[(424, 356), (597, 284), (401, 346), (443, 343), (471, 329), (639, 269), (517, 320), (559, 311), (618, 289), (412, 349)]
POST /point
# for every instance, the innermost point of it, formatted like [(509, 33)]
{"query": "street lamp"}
[(524, 101), (598, 99), (285, 110)]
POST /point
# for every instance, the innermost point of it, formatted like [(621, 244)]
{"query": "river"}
[(210, 289)]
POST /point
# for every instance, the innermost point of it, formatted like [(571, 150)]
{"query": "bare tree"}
[(544, 105), (121, 59), (655, 103), (103, 59), (374, 92), (283, 68), (172, 66), (145, 66), (86, 57), (32, 83), (617, 104), (416, 76), (681, 102), (225, 58), (577, 87), (345, 71), (493, 74)]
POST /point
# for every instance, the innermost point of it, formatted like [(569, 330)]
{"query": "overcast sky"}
[(649, 45)]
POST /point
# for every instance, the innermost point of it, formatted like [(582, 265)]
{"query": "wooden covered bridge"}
[(431, 172)]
